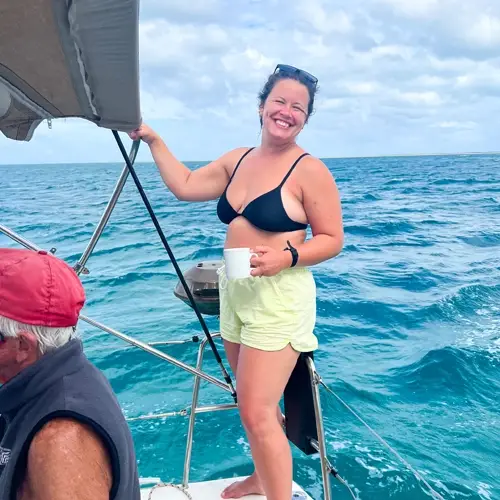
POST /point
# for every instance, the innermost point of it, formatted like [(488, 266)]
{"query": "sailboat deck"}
[(208, 490)]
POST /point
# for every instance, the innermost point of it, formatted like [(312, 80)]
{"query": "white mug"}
[(237, 262)]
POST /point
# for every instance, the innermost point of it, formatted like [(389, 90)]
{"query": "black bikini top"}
[(266, 211)]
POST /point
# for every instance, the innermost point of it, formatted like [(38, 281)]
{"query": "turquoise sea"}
[(408, 318)]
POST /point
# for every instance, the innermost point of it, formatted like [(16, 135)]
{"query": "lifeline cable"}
[(434, 493), (335, 473), (225, 374)]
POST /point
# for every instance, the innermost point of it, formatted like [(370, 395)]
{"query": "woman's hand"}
[(269, 261), (146, 133)]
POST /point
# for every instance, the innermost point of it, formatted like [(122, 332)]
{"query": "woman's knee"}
[(258, 419)]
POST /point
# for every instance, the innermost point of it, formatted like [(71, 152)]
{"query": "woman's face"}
[(284, 113)]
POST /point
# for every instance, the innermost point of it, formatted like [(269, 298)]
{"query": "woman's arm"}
[(203, 184), (323, 209)]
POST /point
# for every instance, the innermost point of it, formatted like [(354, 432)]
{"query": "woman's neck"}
[(271, 147)]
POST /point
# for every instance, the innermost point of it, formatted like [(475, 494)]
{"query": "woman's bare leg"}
[(261, 378), (232, 352), (252, 484)]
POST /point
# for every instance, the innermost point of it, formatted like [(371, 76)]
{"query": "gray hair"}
[(49, 338)]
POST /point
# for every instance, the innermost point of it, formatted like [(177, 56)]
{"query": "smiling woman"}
[(268, 196)]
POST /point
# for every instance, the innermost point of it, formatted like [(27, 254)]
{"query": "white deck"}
[(209, 490)]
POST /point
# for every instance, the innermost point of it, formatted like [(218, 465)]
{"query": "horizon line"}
[(392, 155)]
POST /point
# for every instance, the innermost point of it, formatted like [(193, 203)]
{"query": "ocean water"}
[(408, 318)]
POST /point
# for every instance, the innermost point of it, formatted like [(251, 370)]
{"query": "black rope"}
[(225, 374)]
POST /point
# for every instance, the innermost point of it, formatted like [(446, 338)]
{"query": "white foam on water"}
[(483, 491)]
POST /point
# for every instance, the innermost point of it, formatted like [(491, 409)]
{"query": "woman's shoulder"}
[(313, 164), (234, 155), (314, 172), (230, 159)]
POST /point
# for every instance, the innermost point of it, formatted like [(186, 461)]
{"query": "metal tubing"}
[(206, 409), (319, 426), (181, 413), (19, 239), (80, 265), (171, 342), (185, 412), (194, 403), (156, 352)]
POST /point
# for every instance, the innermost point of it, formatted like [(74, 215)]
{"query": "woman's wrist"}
[(154, 141), (292, 255), (287, 259)]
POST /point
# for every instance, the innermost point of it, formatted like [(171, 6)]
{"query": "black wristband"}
[(293, 251)]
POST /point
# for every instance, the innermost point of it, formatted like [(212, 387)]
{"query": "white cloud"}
[(395, 76), (485, 31), (431, 81), (246, 62), (314, 46), (415, 9), (428, 98), (333, 103), (361, 88), (164, 108), (323, 19), (165, 44), (456, 125), (389, 51), (182, 11)]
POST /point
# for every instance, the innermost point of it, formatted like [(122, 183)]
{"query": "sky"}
[(395, 77)]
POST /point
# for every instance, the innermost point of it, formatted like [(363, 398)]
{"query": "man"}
[(62, 433)]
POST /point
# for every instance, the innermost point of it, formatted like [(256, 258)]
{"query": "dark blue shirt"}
[(63, 383)]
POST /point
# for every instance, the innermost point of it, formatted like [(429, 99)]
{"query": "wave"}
[(123, 248), (467, 181), (482, 240), (365, 395), (453, 371), (131, 277), (411, 280), (384, 320), (417, 241), (395, 181), (378, 229), (371, 197), (463, 303), (434, 222)]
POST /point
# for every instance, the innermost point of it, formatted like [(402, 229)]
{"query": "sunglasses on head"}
[(285, 68)]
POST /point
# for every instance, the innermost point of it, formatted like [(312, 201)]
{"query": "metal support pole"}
[(156, 352), (80, 265), (315, 380), (192, 416), (185, 412), (19, 239)]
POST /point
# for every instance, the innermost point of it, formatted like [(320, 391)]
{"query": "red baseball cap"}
[(37, 288)]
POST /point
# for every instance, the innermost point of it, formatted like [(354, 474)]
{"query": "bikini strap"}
[(238, 164), (293, 166)]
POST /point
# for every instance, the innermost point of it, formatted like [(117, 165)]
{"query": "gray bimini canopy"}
[(68, 58)]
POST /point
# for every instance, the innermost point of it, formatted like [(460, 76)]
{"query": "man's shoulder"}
[(63, 448), (65, 438), (59, 430)]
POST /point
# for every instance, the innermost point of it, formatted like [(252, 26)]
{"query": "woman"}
[(268, 195)]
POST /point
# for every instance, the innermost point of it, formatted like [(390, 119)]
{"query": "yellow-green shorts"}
[(269, 312)]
